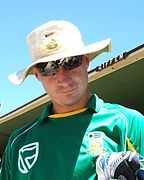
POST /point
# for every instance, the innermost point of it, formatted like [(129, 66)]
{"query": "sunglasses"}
[(52, 67)]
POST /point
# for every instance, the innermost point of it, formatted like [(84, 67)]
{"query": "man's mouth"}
[(68, 91)]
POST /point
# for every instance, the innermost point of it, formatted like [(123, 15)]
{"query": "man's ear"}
[(36, 73)]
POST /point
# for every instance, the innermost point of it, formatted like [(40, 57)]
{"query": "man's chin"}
[(70, 100)]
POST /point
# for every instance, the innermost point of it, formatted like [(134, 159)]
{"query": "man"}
[(78, 136)]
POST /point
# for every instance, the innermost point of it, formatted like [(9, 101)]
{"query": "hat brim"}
[(91, 51)]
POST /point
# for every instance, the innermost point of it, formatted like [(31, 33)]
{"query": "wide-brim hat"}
[(55, 40)]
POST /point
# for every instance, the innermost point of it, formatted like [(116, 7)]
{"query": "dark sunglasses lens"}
[(51, 68), (41, 66), (48, 69), (72, 62)]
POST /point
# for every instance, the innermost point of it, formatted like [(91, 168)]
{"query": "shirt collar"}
[(94, 104), (46, 112)]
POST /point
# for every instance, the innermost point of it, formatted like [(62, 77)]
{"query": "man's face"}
[(66, 87)]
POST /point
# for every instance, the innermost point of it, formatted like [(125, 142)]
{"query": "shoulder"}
[(130, 114), (18, 135)]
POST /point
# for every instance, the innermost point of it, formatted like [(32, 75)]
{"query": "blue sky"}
[(122, 21)]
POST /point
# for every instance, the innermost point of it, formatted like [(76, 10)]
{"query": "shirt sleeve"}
[(135, 132)]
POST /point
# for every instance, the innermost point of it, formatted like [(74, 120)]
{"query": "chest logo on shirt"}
[(27, 157), (95, 141)]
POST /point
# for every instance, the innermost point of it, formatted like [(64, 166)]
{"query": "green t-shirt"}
[(65, 146)]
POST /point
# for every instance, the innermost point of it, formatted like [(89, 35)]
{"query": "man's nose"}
[(62, 75)]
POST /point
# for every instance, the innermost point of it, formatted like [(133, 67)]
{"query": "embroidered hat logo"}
[(28, 155)]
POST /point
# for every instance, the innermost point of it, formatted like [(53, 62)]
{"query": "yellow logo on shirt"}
[(95, 140)]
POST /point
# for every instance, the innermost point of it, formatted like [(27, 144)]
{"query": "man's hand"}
[(120, 165)]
